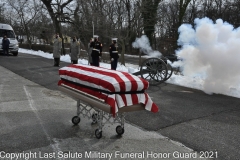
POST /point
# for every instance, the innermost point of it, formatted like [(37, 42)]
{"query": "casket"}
[(116, 88)]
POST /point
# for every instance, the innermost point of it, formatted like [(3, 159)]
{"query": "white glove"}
[(112, 59)]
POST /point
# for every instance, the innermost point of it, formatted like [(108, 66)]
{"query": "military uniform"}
[(96, 52), (113, 55)]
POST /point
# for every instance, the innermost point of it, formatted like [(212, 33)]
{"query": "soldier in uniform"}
[(57, 47), (74, 50), (113, 54), (96, 51)]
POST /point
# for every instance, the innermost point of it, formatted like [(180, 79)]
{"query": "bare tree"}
[(149, 14), (90, 18), (108, 19), (45, 27), (60, 11), (123, 19), (123, 23), (26, 14), (2, 17), (232, 14)]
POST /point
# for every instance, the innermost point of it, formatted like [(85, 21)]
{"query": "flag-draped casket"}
[(116, 88)]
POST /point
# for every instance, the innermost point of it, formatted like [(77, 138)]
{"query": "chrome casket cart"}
[(97, 110)]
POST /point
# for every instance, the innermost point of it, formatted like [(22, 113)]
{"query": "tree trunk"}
[(56, 22), (149, 13), (123, 52), (182, 10)]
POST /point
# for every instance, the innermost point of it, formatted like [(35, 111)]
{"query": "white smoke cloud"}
[(211, 50), (144, 45)]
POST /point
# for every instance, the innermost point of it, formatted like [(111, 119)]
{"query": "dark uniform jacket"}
[(96, 48), (113, 51), (5, 43)]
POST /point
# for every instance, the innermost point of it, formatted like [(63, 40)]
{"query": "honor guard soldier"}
[(113, 54), (96, 51)]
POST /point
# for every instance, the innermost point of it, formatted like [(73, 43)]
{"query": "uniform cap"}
[(114, 39), (95, 36)]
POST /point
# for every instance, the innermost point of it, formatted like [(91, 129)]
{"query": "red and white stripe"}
[(131, 99), (109, 80), (102, 78)]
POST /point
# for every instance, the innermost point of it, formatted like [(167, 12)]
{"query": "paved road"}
[(36, 124), (131, 60), (202, 122)]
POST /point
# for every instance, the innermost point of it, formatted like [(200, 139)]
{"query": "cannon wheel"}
[(169, 67), (170, 71), (154, 70)]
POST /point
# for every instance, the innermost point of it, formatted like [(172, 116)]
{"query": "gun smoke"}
[(211, 50), (143, 44)]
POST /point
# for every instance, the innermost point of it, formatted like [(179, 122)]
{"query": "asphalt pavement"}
[(35, 116), (36, 123)]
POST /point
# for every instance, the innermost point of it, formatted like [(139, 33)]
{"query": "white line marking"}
[(54, 146)]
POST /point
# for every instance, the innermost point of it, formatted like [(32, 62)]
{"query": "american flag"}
[(116, 88)]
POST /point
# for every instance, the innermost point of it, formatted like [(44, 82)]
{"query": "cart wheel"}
[(76, 120), (94, 118), (98, 134), (119, 130)]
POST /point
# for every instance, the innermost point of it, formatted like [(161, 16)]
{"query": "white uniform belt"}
[(96, 50), (114, 51)]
